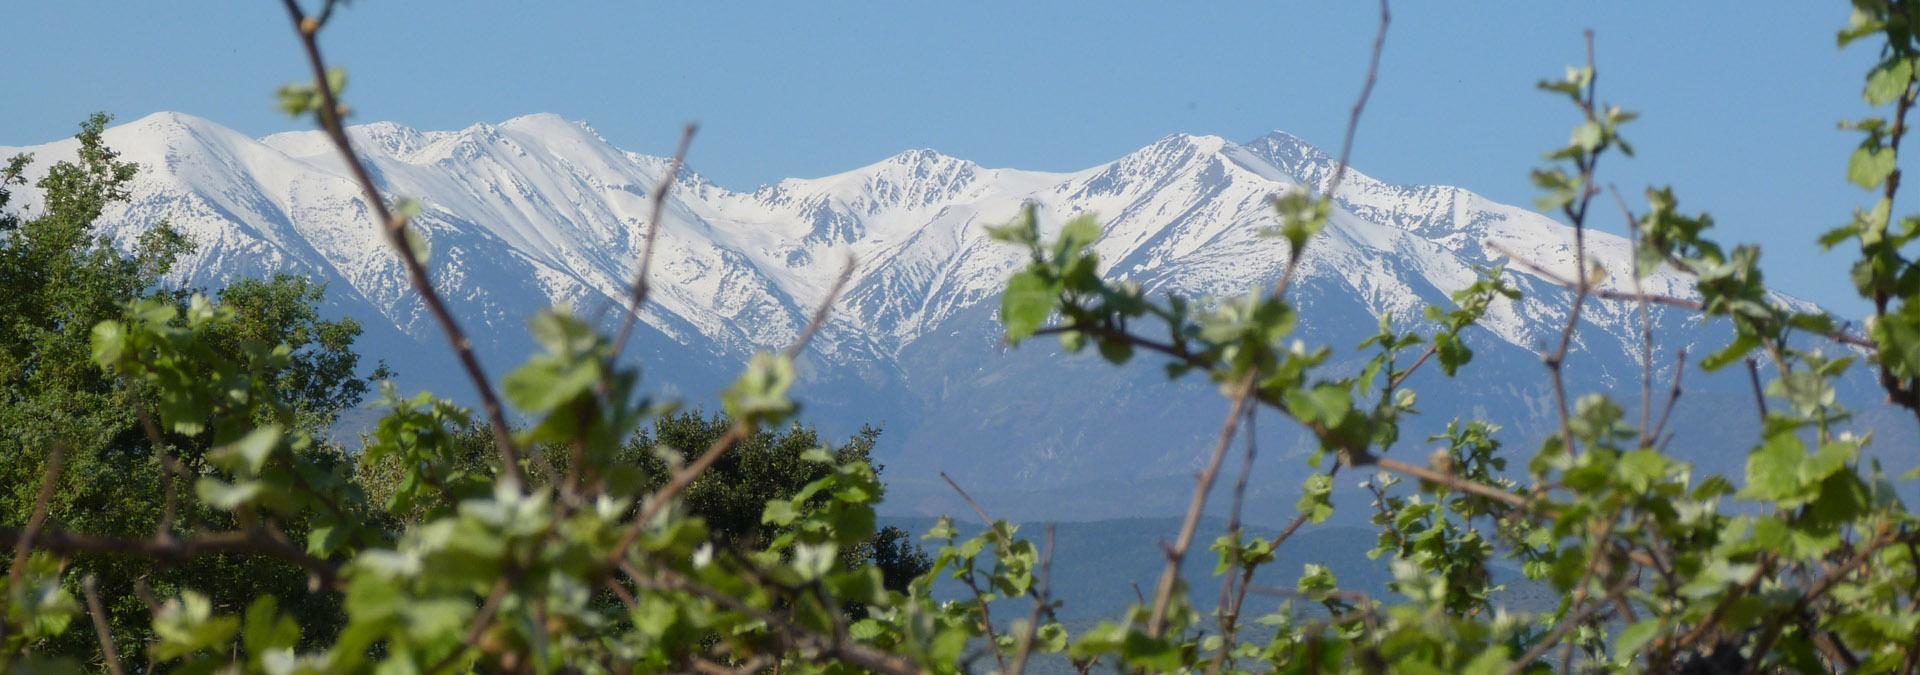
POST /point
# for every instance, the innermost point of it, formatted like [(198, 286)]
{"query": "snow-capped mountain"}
[(539, 210)]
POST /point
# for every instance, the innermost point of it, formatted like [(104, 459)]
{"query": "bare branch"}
[(23, 545), (1041, 605), (100, 630), (1346, 142), (1170, 574), (1839, 336), (250, 542), (1673, 398), (478, 629), (825, 310), (642, 285), (395, 229), (1759, 395)]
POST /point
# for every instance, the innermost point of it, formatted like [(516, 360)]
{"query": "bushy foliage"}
[(575, 548)]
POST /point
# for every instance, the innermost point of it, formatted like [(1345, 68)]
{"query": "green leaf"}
[(227, 496), (1028, 302), (1633, 638), (109, 342), (761, 392), (813, 561), (1870, 166), (1888, 81), (1076, 234), (266, 629), (1773, 470), (248, 455), (1326, 404), (1315, 498), (1588, 136)]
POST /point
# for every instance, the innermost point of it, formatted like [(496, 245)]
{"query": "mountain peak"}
[(170, 127), (547, 123), (1293, 155)]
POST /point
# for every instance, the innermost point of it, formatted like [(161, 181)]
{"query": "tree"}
[(732, 495), (62, 277)]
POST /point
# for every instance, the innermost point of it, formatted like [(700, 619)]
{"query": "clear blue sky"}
[(1739, 99)]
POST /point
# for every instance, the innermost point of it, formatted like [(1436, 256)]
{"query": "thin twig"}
[(642, 285), (1673, 395), (1346, 143), (100, 630), (395, 229), (1646, 320), (1837, 335), (1819, 588), (1177, 552), (23, 545), (1041, 605), (478, 629), (254, 542), (737, 432), (1759, 396), (1560, 632), (989, 521), (170, 483)]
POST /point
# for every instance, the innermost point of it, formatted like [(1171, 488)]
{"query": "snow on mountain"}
[(539, 210)]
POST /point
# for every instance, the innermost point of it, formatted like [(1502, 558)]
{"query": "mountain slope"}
[(539, 210)]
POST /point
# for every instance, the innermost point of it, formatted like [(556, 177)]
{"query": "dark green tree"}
[(733, 494), (62, 276)]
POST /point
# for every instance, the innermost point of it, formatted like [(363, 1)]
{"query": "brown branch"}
[(1900, 391), (1360, 104), (168, 468), (246, 542), (23, 545), (1560, 632), (988, 520), (1170, 575), (395, 229), (1041, 606), (1225, 608), (1346, 143), (1447, 479), (820, 314), (1819, 588), (1759, 396), (1836, 335), (1230, 618), (1719, 610), (1673, 398), (478, 629), (100, 630), (1106, 331), (642, 285), (1401, 377), (1646, 318)]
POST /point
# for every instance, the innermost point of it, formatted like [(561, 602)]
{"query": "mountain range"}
[(539, 210)]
